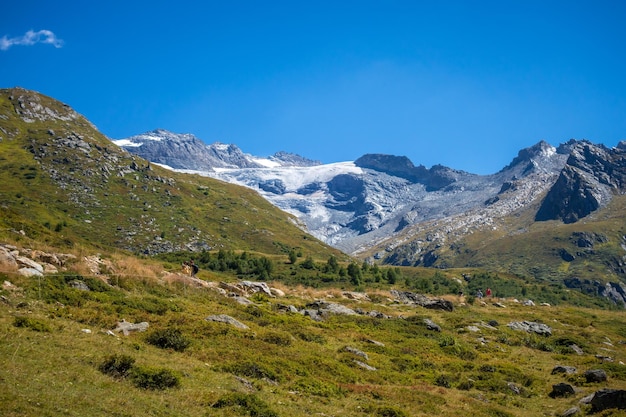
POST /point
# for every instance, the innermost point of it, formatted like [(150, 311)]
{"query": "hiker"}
[(479, 294), (194, 268), (488, 292)]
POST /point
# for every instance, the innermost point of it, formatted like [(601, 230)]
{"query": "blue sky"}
[(466, 84)]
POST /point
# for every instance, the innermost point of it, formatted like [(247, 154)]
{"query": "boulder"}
[(254, 287), (30, 272), (608, 398), (356, 351), (531, 327), (595, 375), (570, 412), (29, 263), (223, 318), (364, 365), (431, 325), (560, 369), (127, 327), (562, 390), (6, 258), (408, 297)]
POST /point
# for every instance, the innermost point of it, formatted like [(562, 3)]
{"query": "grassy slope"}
[(50, 366), (65, 196)]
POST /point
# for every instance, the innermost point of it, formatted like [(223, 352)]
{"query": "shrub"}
[(311, 337), (384, 411), (248, 403), (443, 381), (318, 388), (276, 338), (168, 339), (31, 323), (116, 366), (153, 378), (251, 370)]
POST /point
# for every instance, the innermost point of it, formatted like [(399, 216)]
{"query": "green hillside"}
[(65, 184)]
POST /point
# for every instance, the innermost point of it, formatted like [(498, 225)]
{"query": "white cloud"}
[(30, 38)]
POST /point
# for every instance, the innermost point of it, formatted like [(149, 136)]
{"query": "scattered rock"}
[(223, 318), (365, 366), (516, 390), (79, 285), (499, 305), (361, 296), (570, 412), (356, 351), (30, 272), (276, 292), (531, 327), (431, 325), (28, 263), (577, 350), (374, 342), (560, 369), (127, 327), (561, 390), (251, 287), (595, 375), (408, 297), (324, 307), (608, 398)]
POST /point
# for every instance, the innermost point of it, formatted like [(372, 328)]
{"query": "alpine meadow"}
[(370, 288)]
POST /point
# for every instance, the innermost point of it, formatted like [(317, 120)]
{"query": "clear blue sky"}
[(466, 84)]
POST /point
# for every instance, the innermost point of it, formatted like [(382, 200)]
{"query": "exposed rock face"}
[(614, 291), (434, 179), (186, 151), (586, 183)]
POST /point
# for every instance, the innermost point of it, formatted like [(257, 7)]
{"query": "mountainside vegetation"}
[(100, 315), (66, 184)]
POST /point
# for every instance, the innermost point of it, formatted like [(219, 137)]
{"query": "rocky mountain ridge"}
[(186, 151)]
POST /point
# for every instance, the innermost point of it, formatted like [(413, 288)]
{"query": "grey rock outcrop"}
[(223, 318), (586, 183), (127, 327), (531, 327), (408, 297)]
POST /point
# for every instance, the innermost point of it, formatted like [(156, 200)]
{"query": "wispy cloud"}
[(31, 38)]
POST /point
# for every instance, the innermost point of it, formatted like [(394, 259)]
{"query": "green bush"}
[(276, 338), (168, 339), (251, 370), (116, 366), (248, 403), (31, 323), (318, 388), (153, 378), (384, 411)]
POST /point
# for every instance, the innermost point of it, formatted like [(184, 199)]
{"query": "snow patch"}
[(127, 143)]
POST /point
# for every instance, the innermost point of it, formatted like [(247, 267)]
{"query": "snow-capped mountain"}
[(185, 151), (357, 205)]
